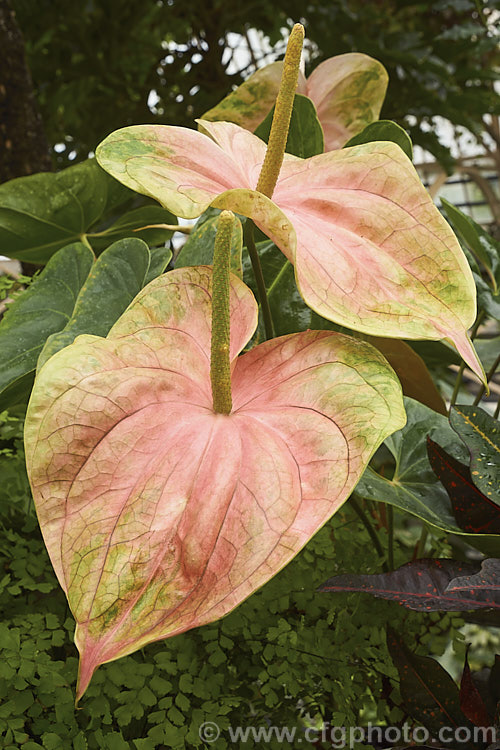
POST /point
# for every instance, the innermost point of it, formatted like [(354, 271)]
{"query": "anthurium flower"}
[(371, 251), (347, 90), (159, 514)]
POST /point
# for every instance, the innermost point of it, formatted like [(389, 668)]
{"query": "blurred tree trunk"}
[(23, 146)]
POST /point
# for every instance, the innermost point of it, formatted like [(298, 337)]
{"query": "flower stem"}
[(282, 114), (220, 364), (249, 241)]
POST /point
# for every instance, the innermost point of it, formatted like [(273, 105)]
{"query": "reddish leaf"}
[(484, 584), (426, 584), (429, 693), (471, 701), (473, 511)]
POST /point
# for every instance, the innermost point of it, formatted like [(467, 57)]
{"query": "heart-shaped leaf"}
[(333, 217), (158, 513), (44, 308), (347, 91), (481, 434)]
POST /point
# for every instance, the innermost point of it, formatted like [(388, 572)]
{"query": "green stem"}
[(262, 298), (489, 375), (422, 541), (220, 363), (497, 410), (458, 380), (368, 526), (282, 114), (390, 536), (84, 240)]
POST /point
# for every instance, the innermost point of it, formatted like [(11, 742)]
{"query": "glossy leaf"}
[(44, 212), (44, 308), (160, 515), (481, 434), (113, 282), (414, 488), (160, 257), (484, 247), (429, 693), (384, 130), (485, 583), (333, 216), (473, 511), (305, 134), (421, 585), (198, 249), (347, 91)]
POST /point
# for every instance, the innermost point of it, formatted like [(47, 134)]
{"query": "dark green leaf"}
[(414, 487), (115, 279), (198, 250), (288, 309), (127, 225), (481, 434), (484, 247), (160, 258), (44, 308), (384, 130), (429, 693), (487, 350), (305, 135), (44, 212)]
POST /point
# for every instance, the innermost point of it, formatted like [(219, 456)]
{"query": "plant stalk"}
[(220, 364), (282, 114), (262, 298)]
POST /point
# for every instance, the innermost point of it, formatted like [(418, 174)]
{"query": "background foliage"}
[(95, 64), (288, 655)]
